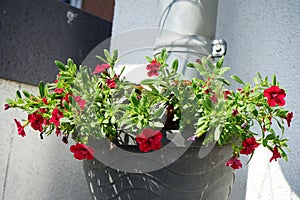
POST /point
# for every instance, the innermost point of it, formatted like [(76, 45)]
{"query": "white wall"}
[(262, 36)]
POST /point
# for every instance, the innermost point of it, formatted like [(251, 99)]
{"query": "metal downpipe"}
[(187, 31)]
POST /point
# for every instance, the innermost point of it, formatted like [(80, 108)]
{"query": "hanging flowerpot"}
[(188, 177), (135, 140)]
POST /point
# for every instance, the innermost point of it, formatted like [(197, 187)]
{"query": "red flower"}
[(214, 98), (153, 68), (101, 68), (59, 90), (45, 100), (81, 102), (275, 96), (249, 145), (57, 131), (149, 140), (56, 80), (6, 106), (65, 139), (81, 151), (289, 118), (276, 154), (234, 162), (226, 94), (42, 110), (207, 91), (198, 60), (186, 83), (111, 83), (36, 121), (20, 128), (46, 121), (270, 119), (66, 98), (56, 115), (235, 112)]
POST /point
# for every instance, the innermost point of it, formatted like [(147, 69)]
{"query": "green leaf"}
[(42, 89), (72, 100), (223, 80), (274, 79), (259, 76), (64, 120), (220, 62), (148, 81), (115, 55), (123, 68), (176, 92), (175, 65), (255, 80), (134, 100), (190, 65), (66, 105), (202, 129), (265, 142), (106, 121), (281, 113), (223, 70), (154, 90), (158, 112), (207, 103), (107, 55), (270, 137), (60, 65), (255, 112), (101, 59), (26, 93), (283, 154), (74, 68), (140, 117), (211, 66), (164, 54), (70, 63), (113, 120), (9, 101), (148, 59), (18, 94), (237, 79), (217, 132), (250, 158)]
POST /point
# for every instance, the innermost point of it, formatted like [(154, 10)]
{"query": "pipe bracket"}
[(219, 47)]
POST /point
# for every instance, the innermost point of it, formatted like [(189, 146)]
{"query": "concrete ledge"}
[(34, 169)]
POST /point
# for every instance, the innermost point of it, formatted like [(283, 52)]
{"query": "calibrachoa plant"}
[(81, 104)]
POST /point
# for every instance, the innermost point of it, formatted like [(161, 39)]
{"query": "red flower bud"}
[(6, 106), (276, 154), (20, 128)]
